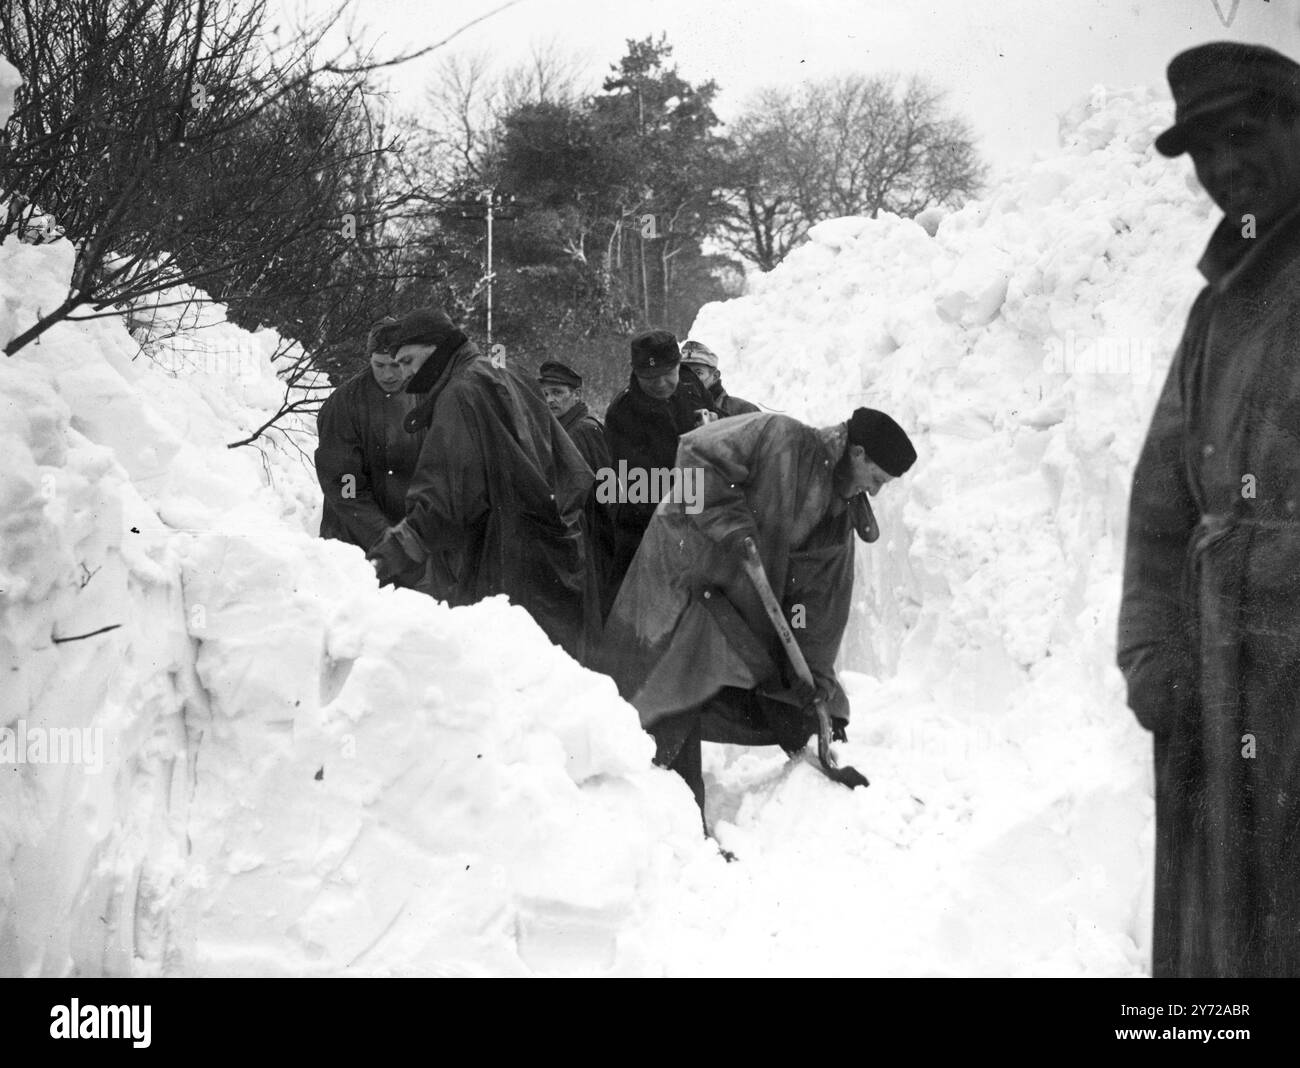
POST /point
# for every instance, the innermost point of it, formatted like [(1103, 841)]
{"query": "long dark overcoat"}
[(498, 495), (1209, 634)]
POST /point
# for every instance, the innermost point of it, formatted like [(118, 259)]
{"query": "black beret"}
[(884, 441), (1213, 78), (559, 375), (655, 351)]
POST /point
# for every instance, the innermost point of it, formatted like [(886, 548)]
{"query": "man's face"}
[(1248, 164), (412, 357), (390, 372), (858, 474), (559, 398), (660, 386), (706, 374)]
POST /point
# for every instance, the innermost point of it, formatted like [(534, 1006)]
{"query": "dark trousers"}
[(678, 747)]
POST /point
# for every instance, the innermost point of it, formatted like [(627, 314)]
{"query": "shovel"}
[(753, 564)]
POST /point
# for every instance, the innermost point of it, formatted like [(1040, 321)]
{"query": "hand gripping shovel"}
[(848, 776)]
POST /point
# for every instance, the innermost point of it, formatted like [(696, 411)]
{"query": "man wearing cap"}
[(562, 390), (365, 457), (702, 360), (498, 489), (1209, 629), (662, 401), (688, 641)]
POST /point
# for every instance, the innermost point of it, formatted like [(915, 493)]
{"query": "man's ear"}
[(857, 452)]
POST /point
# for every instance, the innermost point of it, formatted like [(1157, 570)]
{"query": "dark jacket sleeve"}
[(344, 476), (1153, 643)]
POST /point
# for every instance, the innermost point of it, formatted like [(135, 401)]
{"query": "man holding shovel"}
[(728, 623)]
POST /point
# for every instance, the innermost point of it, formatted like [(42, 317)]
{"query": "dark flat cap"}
[(654, 352), (1211, 79), (557, 374)]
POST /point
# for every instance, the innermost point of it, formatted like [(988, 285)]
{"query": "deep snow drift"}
[(303, 774)]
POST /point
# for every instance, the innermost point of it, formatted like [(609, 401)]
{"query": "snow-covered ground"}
[(285, 770)]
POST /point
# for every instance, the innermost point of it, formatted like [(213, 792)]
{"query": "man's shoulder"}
[(588, 423), (347, 393), (354, 384), (775, 429), (621, 403), (734, 405)]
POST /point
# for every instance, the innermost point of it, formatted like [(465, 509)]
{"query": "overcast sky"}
[(1010, 66)]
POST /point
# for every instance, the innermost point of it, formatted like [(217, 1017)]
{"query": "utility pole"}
[(488, 196), (494, 206)]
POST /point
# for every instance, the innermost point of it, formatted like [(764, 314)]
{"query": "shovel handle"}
[(758, 577)]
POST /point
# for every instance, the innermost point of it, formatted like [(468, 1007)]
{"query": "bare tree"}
[(846, 146), (466, 102), (550, 75), (130, 129)]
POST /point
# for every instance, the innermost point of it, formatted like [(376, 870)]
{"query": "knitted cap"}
[(698, 352)]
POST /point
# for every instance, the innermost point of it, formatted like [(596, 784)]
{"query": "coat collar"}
[(574, 415), (422, 415), (834, 439), (1229, 257)]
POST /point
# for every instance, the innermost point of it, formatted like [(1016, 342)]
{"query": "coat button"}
[(1290, 507), (1207, 450), (390, 472)]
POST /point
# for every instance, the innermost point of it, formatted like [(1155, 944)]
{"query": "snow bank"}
[(225, 751), (1022, 341)]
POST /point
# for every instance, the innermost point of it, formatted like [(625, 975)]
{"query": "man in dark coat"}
[(497, 495), (365, 457), (688, 641), (562, 391), (1209, 629), (661, 402), (704, 362)]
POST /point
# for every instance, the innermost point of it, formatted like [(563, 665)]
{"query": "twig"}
[(88, 634)]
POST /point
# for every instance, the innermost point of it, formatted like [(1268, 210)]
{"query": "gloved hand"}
[(390, 560), (1160, 686), (734, 543)]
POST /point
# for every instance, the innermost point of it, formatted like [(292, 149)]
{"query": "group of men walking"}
[(623, 540)]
